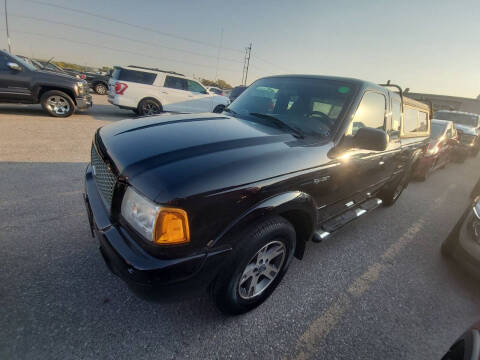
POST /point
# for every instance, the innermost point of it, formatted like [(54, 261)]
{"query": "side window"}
[(193, 86), (396, 116), (3, 63), (410, 120), (370, 113), (174, 82), (136, 76)]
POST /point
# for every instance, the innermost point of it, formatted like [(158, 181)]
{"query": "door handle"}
[(381, 162)]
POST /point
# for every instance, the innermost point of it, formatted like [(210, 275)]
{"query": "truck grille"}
[(104, 178)]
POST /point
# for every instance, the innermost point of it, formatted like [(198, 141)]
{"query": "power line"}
[(76, 11), (149, 43), (118, 50)]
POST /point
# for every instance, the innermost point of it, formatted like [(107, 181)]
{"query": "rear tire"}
[(258, 263), (57, 103), (148, 107), (100, 89), (218, 109), (391, 193)]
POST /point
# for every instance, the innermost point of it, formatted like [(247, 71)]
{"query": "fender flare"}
[(297, 207)]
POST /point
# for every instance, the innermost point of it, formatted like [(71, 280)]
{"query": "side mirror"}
[(370, 139), (14, 66)]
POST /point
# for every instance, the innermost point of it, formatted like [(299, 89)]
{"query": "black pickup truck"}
[(59, 94), (224, 201)]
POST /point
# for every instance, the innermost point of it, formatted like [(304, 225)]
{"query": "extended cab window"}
[(174, 82), (193, 86), (415, 120), (140, 77), (396, 116), (370, 113)]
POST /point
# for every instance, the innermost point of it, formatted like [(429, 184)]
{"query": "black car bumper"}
[(125, 258), (84, 102)]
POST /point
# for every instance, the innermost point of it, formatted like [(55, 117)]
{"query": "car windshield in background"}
[(308, 105), (436, 130), (24, 63), (458, 118)]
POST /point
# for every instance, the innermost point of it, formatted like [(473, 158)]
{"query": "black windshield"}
[(311, 106)]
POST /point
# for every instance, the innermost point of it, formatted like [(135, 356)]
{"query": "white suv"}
[(149, 91)]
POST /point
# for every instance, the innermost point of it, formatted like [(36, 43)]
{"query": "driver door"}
[(14, 84), (357, 173)]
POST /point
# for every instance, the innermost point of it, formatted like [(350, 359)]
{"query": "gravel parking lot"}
[(379, 289)]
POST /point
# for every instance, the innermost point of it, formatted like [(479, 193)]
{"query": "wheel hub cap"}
[(58, 105), (262, 270)]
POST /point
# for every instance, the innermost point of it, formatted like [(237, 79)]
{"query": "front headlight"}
[(80, 87), (158, 224)]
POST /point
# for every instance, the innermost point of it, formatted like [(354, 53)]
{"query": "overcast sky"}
[(428, 46)]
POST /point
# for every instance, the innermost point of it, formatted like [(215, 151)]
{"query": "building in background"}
[(445, 102)]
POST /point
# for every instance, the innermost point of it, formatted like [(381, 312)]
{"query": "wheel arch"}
[(296, 207), (42, 89)]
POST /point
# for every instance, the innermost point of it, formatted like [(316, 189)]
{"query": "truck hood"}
[(466, 129), (176, 156), (53, 74)]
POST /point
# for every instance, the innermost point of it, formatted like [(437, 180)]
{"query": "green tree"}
[(222, 84)]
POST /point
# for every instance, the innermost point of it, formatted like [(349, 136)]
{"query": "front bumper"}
[(84, 102), (128, 260)]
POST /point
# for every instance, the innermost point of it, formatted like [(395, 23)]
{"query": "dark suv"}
[(225, 201), (59, 94)]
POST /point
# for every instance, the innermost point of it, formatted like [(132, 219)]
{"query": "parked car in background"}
[(441, 149), (463, 242), (149, 91), (97, 82), (215, 90), (225, 201), (236, 91), (59, 94), (467, 125), (467, 346)]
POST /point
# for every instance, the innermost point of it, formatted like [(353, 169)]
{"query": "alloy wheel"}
[(150, 109), (262, 269), (58, 104)]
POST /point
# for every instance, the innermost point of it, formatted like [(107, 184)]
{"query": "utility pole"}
[(6, 23), (218, 55), (244, 65), (249, 51)]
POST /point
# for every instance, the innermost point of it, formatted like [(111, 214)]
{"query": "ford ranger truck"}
[(224, 202)]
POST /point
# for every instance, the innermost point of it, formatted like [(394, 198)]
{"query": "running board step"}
[(336, 223)]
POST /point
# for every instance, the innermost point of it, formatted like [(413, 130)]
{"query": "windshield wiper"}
[(279, 123)]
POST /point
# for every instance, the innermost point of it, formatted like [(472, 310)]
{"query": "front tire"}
[(259, 262), (100, 89), (57, 103)]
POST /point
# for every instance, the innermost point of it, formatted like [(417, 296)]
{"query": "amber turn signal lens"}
[(171, 227)]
